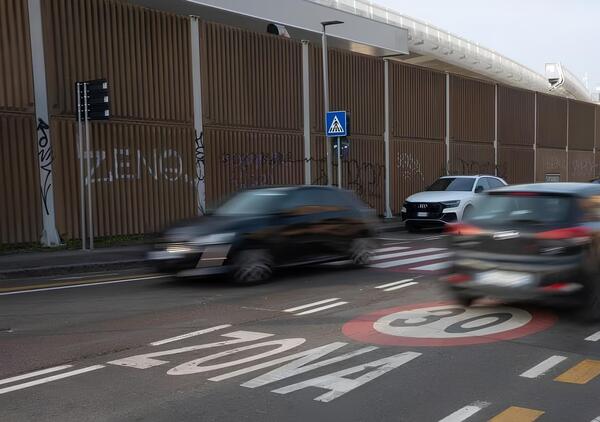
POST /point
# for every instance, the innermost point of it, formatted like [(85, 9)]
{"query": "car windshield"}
[(253, 202), (455, 184), (508, 209)]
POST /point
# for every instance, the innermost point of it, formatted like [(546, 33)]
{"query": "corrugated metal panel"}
[(469, 158), (597, 127), (516, 116), (251, 79), (413, 166), (16, 85), (551, 161), (515, 164), (241, 159), (551, 121), (144, 54), (472, 110), (355, 85), (363, 168), (143, 176), (417, 102), (581, 125), (20, 206), (581, 166)]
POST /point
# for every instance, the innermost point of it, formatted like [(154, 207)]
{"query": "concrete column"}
[(496, 129), (45, 154), (447, 139), (535, 137), (199, 128), (306, 111), (386, 135)]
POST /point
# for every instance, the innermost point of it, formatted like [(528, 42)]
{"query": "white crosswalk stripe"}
[(402, 262)]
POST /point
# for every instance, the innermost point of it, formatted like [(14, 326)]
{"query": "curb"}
[(67, 269)]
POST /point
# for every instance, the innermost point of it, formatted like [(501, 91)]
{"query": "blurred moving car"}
[(258, 230), (530, 242), (447, 200)]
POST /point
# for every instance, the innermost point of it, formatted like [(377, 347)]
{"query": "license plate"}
[(504, 278), (422, 214)]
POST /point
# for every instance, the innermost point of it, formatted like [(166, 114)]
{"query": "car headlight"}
[(214, 239), (451, 204)]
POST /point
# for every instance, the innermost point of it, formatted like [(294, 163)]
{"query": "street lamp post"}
[(326, 94)]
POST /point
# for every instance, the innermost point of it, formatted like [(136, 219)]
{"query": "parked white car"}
[(449, 199)]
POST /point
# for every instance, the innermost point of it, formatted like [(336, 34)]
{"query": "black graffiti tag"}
[(46, 158)]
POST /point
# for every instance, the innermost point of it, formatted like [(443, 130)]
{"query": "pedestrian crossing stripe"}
[(336, 126)]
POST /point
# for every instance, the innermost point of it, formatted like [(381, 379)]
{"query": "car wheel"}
[(464, 300), (468, 212), (591, 299), (252, 266), (361, 251)]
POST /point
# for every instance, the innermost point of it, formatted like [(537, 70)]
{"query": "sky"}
[(532, 32)]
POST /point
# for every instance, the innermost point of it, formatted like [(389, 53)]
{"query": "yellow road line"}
[(582, 373), (69, 283), (517, 414)]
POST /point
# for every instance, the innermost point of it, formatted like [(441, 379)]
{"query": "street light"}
[(326, 93)]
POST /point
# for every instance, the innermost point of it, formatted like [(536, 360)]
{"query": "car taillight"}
[(571, 233), (457, 278), (460, 229)]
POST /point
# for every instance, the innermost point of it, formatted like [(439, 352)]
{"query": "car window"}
[(482, 185), (253, 202), (455, 184), (590, 207), (314, 200), (494, 183)]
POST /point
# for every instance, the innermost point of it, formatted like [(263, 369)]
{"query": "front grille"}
[(434, 209)]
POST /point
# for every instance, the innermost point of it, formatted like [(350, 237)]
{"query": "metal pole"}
[(535, 96), (198, 124), (496, 131), (306, 112), (81, 174), (386, 136), (89, 166), (326, 104), (339, 160), (447, 140)]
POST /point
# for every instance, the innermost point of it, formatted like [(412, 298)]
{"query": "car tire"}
[(252, 266), (591, 299), (361, 251), (464, 300)]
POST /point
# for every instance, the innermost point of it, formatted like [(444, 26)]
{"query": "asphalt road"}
[(320, 344)]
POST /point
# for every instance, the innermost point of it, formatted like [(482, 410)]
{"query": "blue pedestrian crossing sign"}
[(336, 124)]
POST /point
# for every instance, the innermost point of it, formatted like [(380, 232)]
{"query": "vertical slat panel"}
[(551, 121), (414, 164), (471, 110), (417, 102), (581, 166), (516, 116), (581, 126), (515, 164), (471, 158), (551, 161), (20, 204), (16, 85), (597, 142)]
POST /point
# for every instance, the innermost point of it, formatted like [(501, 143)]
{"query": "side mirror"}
[(479, 189)]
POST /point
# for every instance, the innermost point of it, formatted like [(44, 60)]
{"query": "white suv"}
[(447, 200)]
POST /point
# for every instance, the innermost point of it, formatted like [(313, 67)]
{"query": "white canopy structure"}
[(433, 47)]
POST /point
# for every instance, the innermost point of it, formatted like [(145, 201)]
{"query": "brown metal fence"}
[(471, 158), (516, 116), (144, 54), (16, 87), (551, 162), (413, 165), (143, 176), (551, 121), (581, 125), (515, 164), (597, 142), (472, 110), (417, 102), (251, 79), (581, 166), (20, 204)]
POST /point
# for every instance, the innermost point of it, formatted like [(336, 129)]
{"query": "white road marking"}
[(188, 335), (34, 374), (400, 262), (594, 337), (543, 367), (395, 283), (392, 249), (391, 289), (407, 253), (596, 419), (465, 412), (433, 267), (322, 308), (90, 284), (50, 379), (310, 305)]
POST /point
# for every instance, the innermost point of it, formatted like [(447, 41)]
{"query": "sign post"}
[(336, 126), (93, 103)]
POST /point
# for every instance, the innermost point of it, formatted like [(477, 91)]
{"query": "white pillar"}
[(567, 147), (496, 129), (45, 154), (197, 96), (306, 111), (386, 135), (535, 137), (447, 139)]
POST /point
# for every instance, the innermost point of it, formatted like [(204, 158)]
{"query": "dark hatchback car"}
[(256, 231), (537, 242)]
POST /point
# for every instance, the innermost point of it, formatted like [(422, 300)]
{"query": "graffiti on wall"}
[(200, 172), (409, 167), (582, 169), (45, 158)]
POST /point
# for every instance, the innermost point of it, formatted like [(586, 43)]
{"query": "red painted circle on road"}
[(451, 325)]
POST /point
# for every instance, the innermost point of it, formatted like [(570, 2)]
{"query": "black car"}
[(530, 242), (257, 230)]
